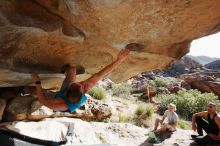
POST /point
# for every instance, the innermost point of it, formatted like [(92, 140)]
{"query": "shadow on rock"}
[(160, 138)]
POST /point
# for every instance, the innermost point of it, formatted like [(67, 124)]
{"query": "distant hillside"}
[(203, 59), (213, 65), (182, 66)]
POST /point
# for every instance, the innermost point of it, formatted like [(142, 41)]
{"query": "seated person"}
[(72, 95), (211, 126), (171, 124)]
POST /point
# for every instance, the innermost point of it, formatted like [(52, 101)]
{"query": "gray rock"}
[(18, 108)]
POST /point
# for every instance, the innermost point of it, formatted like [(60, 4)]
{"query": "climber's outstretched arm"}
[(70, 75), (106, 70)]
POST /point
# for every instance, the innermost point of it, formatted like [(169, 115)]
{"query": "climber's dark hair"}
[(73, 93)]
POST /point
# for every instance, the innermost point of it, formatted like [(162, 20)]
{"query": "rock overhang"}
[(46, 35)]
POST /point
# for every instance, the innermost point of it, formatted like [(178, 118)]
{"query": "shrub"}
[(184, 124), (140, 110), (121, 90), (188, 102), (145, 110), (98, 93), (143, 114), (122, 118), (158, 82)]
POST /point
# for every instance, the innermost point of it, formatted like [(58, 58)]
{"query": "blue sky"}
[(206, 46)]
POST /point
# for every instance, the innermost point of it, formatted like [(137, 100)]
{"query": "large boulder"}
[(18, 108), (202, 82), (42, 130), (46, 35), (38, 111)]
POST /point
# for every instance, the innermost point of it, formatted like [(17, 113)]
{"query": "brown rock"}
[(174, 89), (46, 35), (101, 112), (202, 82), (150, 92), (185, 85), (18, 108), (2, 107)]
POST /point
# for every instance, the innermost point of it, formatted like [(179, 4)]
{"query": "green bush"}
[(145, 110), (122, 118), (188, 102), (98, 93), (143, 114), (121, 90), (158, 82), (183, 124)]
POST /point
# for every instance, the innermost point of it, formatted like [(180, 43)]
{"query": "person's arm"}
[(162, 120), (70, 75), (174, 124), (49, 102), (164, 117), (201, 114), (96, 77)]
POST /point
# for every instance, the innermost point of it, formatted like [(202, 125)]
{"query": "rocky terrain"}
[(183, 74), (215, 65), (21, 109), (46, 35), (185, 65), (203, 83), (21, 114), (91, 133)]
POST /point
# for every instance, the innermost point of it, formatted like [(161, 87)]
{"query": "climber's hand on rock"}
[(123, 54)]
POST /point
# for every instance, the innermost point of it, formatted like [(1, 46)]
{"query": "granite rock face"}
[(46, 35), (17, 108), (202, 82)]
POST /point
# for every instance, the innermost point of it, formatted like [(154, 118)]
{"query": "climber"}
[(72, 95)]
